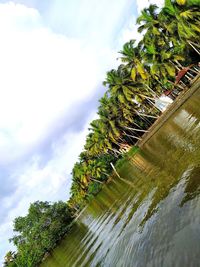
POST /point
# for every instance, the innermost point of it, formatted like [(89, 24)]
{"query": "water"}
[(151, 216)]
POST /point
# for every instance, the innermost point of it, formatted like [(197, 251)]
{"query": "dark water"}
[(151, 216)]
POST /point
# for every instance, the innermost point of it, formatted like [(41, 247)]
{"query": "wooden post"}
[(115, 170)]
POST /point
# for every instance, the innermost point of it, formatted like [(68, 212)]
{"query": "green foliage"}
[(39, 231), (147, 70)]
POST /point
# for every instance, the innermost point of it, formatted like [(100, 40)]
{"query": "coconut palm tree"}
[(131, 55), (183, 22)]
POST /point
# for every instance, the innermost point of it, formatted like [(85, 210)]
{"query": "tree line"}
[(147, 69)]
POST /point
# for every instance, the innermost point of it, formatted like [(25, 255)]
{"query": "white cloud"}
[(93, 20), (43, 74), (130, 32), (15, 16)]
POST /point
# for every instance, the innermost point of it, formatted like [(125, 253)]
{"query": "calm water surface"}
[(151, 216)]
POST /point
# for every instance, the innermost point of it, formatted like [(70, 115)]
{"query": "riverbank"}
[(164, 117), (180, 100)]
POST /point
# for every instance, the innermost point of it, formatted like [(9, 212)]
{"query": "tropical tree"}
[(39, 230), (131, 55)]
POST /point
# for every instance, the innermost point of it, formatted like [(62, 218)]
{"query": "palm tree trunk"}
[(137, 125), (194, 71), (192, 45), (115, 170), (147, 97), (134, 129), (176, 85), (188, 77), (197, 70), (153, 105), (124, 141), (95, 180), (155, 95), (179, 86), (189, 74), (106, 174), (175, 65), (148, 116), (183, 84), (115, 151), (195, 44), (145, 120), (178, 64), (133, 136)]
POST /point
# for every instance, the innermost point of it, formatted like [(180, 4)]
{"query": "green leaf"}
[(115, 89), (127, 93), (155, 31), (195, 28), (179, 57), (170, 69), (187, 14), (121, 99), (142, 71), (133, 74), (154, 69), (169, 8), (193, 2), (165, 55), (151, 49), (138, 99)]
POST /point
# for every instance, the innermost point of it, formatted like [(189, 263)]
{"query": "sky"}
[(53, 59)]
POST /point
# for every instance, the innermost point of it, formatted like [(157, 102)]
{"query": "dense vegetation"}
[(148, 69), (38, 232), (127, 109)]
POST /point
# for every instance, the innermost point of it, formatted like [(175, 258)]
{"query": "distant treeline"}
[(148, 69)]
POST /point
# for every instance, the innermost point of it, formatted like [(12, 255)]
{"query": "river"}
[(150, 217)]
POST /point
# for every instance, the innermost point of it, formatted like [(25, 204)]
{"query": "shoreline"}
[(165, 116), (178, 102)]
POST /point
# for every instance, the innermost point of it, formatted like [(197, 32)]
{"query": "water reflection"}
[(192, 188)]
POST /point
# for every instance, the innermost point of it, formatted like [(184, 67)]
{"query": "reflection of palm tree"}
[(192, 188)]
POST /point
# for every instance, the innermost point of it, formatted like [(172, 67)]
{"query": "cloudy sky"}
[(53, 58)]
